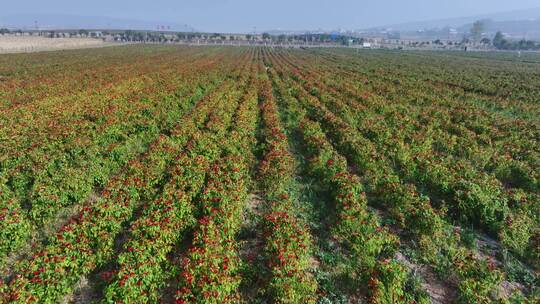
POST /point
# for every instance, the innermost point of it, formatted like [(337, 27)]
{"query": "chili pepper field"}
[(177, 174)]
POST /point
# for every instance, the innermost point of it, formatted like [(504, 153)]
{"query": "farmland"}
[(170, 174), (25, 44)]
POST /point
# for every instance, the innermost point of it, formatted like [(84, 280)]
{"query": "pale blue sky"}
[(243, 15)]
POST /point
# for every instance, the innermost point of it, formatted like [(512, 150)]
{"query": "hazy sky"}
[(244, 15)]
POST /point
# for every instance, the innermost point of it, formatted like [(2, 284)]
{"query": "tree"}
[(498, 40), (485, 41), (530, 45), (266, 36), (4, 31), (477, 29), (129, 35), (140, 37)]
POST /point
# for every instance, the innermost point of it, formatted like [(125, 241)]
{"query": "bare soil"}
[(28, 44)]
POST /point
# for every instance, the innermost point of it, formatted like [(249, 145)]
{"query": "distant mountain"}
[(57, 21), (514, 29), (528, 14)]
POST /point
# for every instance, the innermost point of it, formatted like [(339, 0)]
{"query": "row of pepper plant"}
[(288, 244), (210, 269), (406, 206), (87, 241)]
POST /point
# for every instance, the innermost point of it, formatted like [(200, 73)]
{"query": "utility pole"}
[(36, 27)]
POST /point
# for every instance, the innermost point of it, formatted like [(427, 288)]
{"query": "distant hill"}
[(53, 21), (517, 15), (514, 29)]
